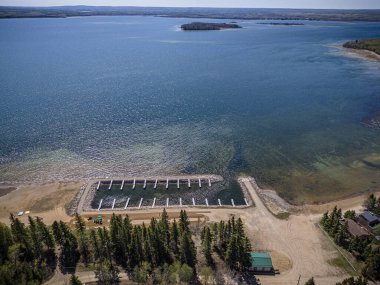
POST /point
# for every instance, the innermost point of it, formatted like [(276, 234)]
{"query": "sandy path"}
[(297, 238)]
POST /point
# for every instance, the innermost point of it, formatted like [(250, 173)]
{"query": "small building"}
[(261, 262), (356, 230), (368, 219)]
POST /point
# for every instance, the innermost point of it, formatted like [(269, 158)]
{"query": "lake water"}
[(121, 96)]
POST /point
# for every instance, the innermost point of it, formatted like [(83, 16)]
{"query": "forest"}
[(158, 253)]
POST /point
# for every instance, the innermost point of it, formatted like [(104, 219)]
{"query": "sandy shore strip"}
[(357, 53)]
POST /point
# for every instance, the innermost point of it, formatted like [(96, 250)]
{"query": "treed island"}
[(200, 26)]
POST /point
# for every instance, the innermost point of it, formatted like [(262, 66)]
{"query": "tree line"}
[(159, 252)]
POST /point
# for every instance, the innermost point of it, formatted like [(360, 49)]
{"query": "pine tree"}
[(187, 250), (83, 240), (174, 236), (206, 245)]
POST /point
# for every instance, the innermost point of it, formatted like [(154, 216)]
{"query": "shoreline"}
[(358, 53)]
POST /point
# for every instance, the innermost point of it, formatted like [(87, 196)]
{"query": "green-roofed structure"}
[(261, 262)]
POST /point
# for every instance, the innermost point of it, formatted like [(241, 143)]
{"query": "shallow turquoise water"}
[(112, 96)]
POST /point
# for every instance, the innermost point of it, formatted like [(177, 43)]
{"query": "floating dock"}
[(188, 183), (232, 202), (100, 204), (246, 201), (167, 183), (178, 183), (155, 184), (206, 202), (193, 201), (144, 184), (122, 185), (180, 202), (209, 182), (97, 188), (141, 200), (220, 203), (109, 187), (154, 202), (200, 183), (167, 202), (113, 204), (134, 184), (126, 203)]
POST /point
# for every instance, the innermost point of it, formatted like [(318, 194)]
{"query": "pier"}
[(232, 202), (193, 201), (189, 183), (144, 184), (178, 183), (220, 203), (141, 200), (167, 183), (109, 188), (97, 188), (155, 184), (206, 202), (180, 202), (122, 185), (100, 204), (209, 182), (246, 201), (134, 184), (154, 202), (200, 184), (126, 203), (113, 204), (167, 202)]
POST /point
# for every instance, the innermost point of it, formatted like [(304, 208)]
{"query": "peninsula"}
[(201, 26), (372, 45)]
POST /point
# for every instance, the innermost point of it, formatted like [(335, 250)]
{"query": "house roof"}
[(261, 259), (370, 217), (355, 229)]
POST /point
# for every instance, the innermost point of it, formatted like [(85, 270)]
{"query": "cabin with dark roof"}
[(355, 229), (368, 219)]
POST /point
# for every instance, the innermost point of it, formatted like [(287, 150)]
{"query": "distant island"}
[(200, 26), (365, 44), (282, 24)]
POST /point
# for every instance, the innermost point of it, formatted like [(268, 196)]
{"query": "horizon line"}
[(185, 7)]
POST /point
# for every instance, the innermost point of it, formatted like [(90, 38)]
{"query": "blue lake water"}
[(120, 96)]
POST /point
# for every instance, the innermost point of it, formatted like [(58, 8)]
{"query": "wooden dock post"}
[(154, 202), (100, 204), (126, 204)]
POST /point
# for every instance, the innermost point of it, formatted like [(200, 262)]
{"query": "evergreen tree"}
[(187, 250), (74, 280), (206, 245)]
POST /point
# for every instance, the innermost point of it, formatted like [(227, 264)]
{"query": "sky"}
[(317, 4)]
